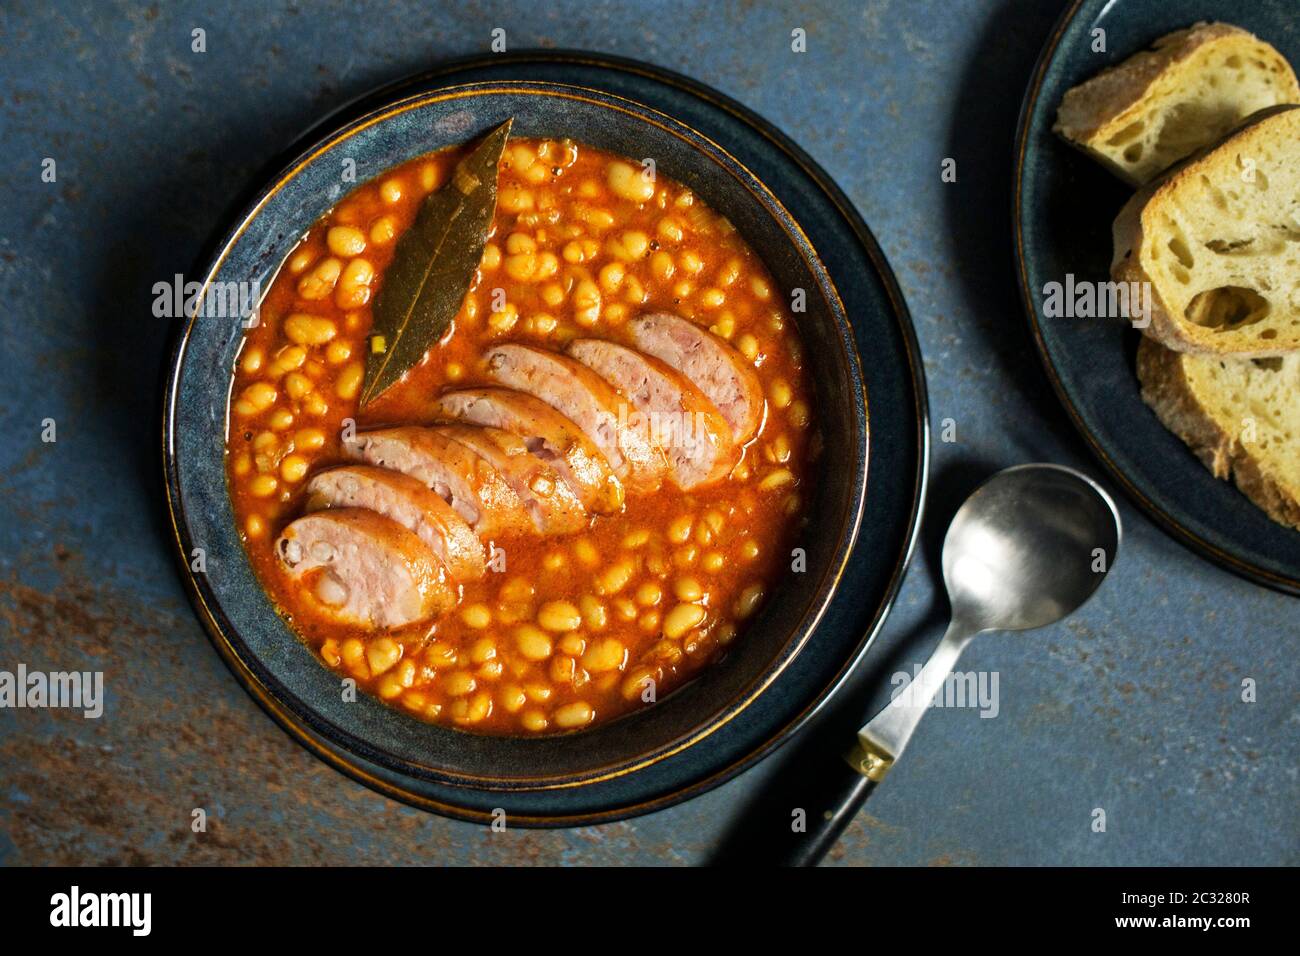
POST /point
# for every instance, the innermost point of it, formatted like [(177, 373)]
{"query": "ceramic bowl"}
[(241, 618)]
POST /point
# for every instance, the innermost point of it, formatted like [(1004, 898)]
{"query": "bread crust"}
[(1136, 223), (1165, 388), (1106, 103), (1100, 108)]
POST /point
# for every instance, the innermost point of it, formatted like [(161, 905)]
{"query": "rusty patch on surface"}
[(178, 733)]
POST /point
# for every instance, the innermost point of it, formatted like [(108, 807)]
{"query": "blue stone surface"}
[(1134, 705)]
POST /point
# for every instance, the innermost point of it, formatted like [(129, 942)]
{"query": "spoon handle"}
[(833, 789), (832, 795), (800, 812), (882, 739)]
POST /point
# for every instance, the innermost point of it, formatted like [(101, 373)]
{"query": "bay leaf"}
[(433, 266)]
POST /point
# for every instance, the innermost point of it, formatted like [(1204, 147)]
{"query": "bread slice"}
[(1240, 416), (1218, 238), (1161, 105)]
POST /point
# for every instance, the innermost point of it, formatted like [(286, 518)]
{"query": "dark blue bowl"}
[(241, 616)]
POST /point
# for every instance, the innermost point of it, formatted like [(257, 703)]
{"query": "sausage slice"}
[(547, 434), (717, 369), (458, 475), (372, 570), (550, 502), (409, 502), (676, 416), (587, 400)]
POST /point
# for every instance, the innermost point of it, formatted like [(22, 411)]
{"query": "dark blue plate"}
[(1064, 206), (558, 781)]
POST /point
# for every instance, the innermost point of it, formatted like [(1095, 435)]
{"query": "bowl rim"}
[(246, 663)]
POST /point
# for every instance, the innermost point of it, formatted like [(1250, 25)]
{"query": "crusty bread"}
[(1218, 238), (1161, 105), (1240, 416)]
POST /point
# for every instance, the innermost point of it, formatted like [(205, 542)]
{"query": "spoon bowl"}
[(1028, 547)]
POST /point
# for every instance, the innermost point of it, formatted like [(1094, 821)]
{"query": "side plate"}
[(1064, 206)]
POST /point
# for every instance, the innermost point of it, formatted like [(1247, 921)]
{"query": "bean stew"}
[(581, 492)]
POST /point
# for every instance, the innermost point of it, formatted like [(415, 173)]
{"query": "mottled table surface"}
[(1133, 706)]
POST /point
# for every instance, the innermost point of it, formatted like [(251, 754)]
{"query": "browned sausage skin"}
[(717, 369), (547, 434), (587, 400), (409, 502), (695, 439), (550, 503), (372, 571), (460, 476)]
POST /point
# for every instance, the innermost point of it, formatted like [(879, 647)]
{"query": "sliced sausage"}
[(549, 501), (717, 370), (372, 570), (676, 416), (458, 475), (587, 400), (409, 502), (547, 434)]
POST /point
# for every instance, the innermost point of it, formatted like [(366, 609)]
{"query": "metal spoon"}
[(1026, 549)]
